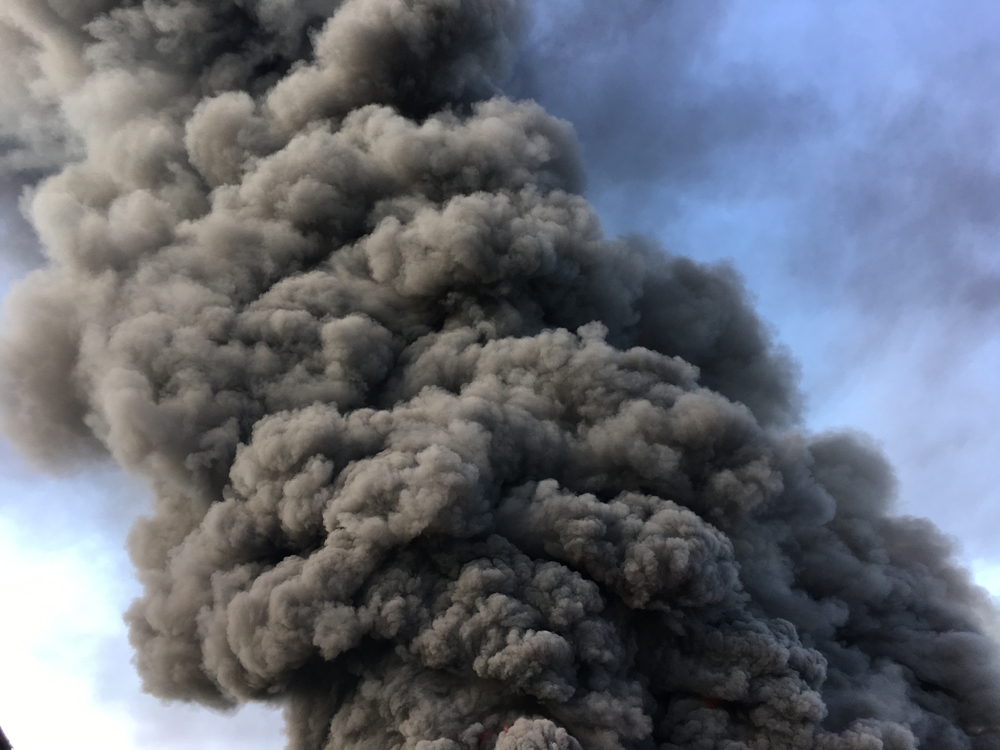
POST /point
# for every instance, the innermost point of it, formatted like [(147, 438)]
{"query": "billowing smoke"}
[(437, 465)]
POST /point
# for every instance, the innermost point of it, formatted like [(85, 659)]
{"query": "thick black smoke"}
[(438, 465)]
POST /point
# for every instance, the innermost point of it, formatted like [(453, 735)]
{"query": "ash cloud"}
[(438, 464)]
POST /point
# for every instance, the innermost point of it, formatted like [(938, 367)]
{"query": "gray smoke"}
[(438, 465)]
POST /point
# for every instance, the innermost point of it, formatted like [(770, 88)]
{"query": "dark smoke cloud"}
[(654, 107), (42, 45), (436, 463), (846, 157), (874, 127)]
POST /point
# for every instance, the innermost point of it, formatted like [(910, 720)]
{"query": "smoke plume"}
[(437, 464)]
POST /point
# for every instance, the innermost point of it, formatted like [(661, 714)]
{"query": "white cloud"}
[(58, 612), (64, 656), (987, 575)]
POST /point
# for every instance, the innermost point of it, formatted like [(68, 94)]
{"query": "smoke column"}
[(437, 465)]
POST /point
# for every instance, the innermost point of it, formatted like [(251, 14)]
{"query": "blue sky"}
[(844, 157)]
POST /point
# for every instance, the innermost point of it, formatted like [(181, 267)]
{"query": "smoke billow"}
[(437, 465)]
